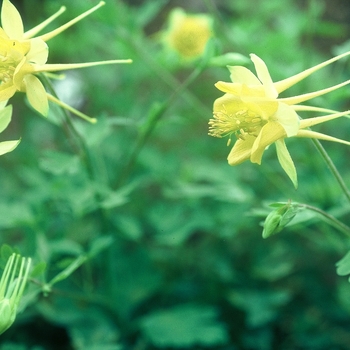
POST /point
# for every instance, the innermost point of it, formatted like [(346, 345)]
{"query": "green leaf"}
[(343, 265), (68, 270), (58, 163), (38, 269), (185, 326)]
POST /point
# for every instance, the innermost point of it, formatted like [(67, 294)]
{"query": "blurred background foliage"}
[(166, 252)]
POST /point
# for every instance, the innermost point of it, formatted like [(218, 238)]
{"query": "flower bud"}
[(12, 285), (279, 218)]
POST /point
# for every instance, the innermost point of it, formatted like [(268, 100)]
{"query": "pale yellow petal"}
[(264, 76), (286, 161), (228, 104), (262, 107), (5, 117), (269, 133), (241, 150), (8, 146), (38, 52), (319, 136), (287, 83), (36, 94), (3, 103), (288, 118), (7, 91), (23, 68), (11, 20), (242, 75)]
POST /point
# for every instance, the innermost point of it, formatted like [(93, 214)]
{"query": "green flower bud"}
[(279, 218), (11, 289)]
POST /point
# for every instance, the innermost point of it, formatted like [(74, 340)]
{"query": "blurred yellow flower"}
[(22, 56), (188, 35), (252, 111), (12, 286)]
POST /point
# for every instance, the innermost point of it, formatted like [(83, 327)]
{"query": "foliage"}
[(140, 233)]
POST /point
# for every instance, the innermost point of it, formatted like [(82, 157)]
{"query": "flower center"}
[(11, 54), (191, 37), (240, 123)]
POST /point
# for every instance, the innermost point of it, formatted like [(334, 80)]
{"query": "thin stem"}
[(332, 167), (82, 149), (330, 219), (153, 119)]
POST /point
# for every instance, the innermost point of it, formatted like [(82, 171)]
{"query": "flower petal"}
[(270, 132), (36, 94), (7, 90), (286, 161), (38, 52), (8, 146), (264, 76), (5, 117), (11, 20), (288, 118), (243, 75), (241, 150), (230, 88)]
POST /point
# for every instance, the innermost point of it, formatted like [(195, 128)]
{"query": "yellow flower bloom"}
[(252, 111), (23, 56), (188, 34), (11, 289)]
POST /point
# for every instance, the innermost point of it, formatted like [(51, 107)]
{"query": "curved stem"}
[(332, 167), (330, 219)]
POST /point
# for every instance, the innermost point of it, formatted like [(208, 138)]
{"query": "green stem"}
[(330, 219), (82, 149), (153, 119), (332, 167)]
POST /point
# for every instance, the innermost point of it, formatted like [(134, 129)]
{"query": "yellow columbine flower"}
[(22, 56), (12, 286), (252, 111), (188, 35)]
